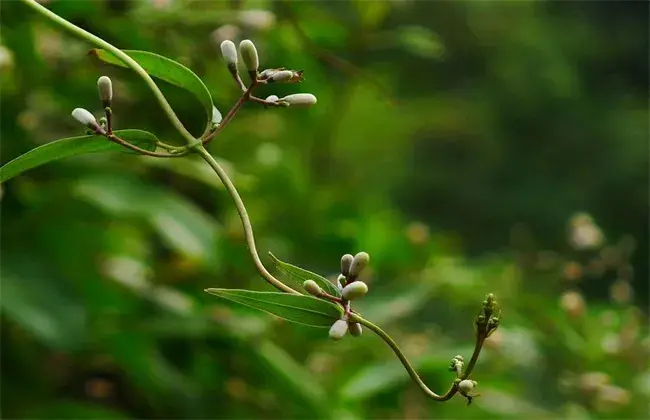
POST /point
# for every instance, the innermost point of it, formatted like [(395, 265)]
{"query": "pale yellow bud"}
[(354, 290), (355, 329), (312, 288), (249, 55), (359, 262)]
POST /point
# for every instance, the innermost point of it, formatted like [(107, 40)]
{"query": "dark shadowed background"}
[(468, 147)]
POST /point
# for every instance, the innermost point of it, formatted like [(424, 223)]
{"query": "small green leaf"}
[(302, 309), (168, 70), (73, 146), (299, 275)]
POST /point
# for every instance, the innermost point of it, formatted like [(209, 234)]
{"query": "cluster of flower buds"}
[(251, 62), (457, 364), (489, 318), (85, 117), (351, 288)]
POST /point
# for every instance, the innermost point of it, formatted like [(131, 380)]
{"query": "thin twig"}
[(229, 116), (121, 142), (407, 365), (243, 215)]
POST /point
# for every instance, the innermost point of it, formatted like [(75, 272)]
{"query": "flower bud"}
[(312, 288), (359, 262), (249, 56), (229, 54), (346, 262), (340, 281), (338, 329), (466, 386), (280, 76), (355, 329), (354, 290), (216, 116), (86, 118), (105, 87), (271, 98), (266, 73), (300, 99)]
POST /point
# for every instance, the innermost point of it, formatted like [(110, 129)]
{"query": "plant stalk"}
[(131, 63), (243, 215)]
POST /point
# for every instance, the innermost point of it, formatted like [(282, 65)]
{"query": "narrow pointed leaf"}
[(168, 70), (299, 275), (302, 309), (74, 146)]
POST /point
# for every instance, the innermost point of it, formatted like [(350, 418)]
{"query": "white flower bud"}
[(249, 55), (300, 99), (86, 118), (266, 73), (466, 386), (271, 98), (354, 290), (280, 76), (229, 54), (105, 87), (359, 262), (312, 288), (346, 262), (338, 329), (355, 329)]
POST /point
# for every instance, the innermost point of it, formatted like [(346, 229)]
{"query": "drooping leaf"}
[(74, 146), (294, 377), (302, 309), (168, 70), (299, 275), (181, 225)]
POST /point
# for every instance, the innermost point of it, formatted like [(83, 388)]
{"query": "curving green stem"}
[(131, 63), (243, 215), (480, 338)]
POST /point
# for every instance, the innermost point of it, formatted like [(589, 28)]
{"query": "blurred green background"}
[(469, 147)]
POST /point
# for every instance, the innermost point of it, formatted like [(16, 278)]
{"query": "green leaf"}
[(299, 275), (182, 225), (168, 70), (302, 309), (74, 146)]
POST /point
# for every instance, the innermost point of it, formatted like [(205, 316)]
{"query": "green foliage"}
[(300, 275), (168, 70), (452, 140), (301, 309), (73, 146)]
